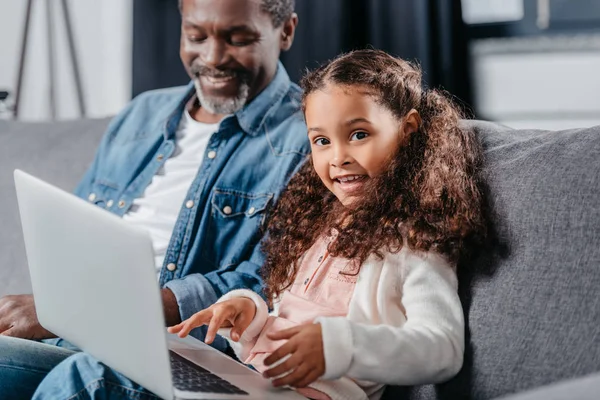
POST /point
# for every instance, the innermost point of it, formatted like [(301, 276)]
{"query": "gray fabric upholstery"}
[(57, 152), (532, 305), (586, 388)]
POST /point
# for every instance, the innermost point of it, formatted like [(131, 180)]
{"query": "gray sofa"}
[(531, 301), (56, 152)]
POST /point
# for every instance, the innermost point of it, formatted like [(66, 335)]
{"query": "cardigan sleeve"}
[(250, 336), (427, 348)]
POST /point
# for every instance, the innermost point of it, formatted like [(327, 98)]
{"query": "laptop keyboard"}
[(191, 377)]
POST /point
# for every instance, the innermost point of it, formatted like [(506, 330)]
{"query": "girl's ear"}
[(411, 122)]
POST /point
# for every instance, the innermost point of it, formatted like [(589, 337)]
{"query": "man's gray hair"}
[(279, 10)]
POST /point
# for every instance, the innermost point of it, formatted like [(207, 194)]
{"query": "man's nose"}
[(213, 53)]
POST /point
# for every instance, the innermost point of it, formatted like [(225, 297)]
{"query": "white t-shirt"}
[(158, 208)]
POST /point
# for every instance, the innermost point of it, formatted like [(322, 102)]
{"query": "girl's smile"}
[(349, 183)]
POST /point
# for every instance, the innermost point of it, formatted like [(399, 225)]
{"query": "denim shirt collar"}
[(251, 117)]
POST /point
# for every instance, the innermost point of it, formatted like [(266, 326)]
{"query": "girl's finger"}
[(219, 316), (287, 366), (291, 379), (289, 348), (175, 328), (311, 377), (240, 325), (186, 329), (196, 320)]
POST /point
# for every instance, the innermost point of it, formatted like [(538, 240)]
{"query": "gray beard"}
[(223, 105)]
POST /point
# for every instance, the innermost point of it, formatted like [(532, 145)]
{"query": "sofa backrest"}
[(57, 152), (532, 304)]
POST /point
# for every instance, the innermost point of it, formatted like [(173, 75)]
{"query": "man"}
[(197, 166)]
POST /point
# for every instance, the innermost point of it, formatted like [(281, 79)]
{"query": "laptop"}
[(94, 284)]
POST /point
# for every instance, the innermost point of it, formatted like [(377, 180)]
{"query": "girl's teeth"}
[(349, 178)]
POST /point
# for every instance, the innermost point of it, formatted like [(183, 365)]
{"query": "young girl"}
[(363, 245)]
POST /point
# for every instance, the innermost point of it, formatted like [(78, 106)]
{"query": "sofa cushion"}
[(56, 152), (586, 388), (531, 303)]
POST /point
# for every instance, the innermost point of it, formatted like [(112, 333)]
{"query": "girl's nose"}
[(340, 157)]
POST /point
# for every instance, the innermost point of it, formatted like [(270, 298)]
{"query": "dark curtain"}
[(156, 31), (430, 32)]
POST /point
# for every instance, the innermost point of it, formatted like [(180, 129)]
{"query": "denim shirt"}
[(214, 247)]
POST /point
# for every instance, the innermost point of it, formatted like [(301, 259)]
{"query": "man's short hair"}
[(279, 10)]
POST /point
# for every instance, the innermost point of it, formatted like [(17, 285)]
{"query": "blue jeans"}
[(59, 371), (24, 363), (81, 376)]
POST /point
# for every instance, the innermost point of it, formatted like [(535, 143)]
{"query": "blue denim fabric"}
[(83, 377), (257, 151), (24, 363)]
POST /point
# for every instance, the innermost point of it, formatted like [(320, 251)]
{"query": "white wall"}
[(102, 31), (546, 83)]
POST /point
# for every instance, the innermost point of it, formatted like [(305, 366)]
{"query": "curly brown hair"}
[(429, 196)]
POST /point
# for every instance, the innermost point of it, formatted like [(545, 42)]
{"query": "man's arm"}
[(83, 188), (170, 307)]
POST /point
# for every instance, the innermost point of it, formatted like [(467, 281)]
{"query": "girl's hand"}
[(306, 361), (236, 314)]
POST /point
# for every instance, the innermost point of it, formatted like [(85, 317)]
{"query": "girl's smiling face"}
[(352, 137)]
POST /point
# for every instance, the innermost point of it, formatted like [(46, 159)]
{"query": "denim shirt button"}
[(160, 157), (251, 210), (189, 204), (227, 210), (121, 203), (92, 197), (109, 204), (212, 154), (171, 267)]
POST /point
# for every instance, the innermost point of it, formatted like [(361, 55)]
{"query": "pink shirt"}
[(323, 288)]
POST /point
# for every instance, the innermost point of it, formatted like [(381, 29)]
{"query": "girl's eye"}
[(321, 141), (360, 135)]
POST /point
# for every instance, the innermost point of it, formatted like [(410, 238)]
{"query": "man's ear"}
[(288, 31), (411, 122)]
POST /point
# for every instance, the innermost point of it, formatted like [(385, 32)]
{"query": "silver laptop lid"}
[(91, 274)]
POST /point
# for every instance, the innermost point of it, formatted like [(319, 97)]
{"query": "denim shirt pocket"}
[(236, 221), (233, 203)]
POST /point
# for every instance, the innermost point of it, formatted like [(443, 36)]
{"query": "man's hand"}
[(236, 313), (170, 307), (305, 361), (19, 319)]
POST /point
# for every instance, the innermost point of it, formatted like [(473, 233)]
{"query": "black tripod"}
[(50, 39)]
